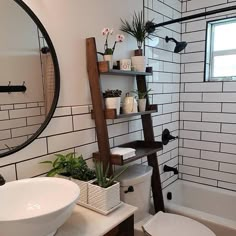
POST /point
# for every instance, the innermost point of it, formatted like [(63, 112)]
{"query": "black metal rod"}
[(195, 16), (12, 89)]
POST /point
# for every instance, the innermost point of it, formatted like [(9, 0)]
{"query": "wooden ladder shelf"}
[(148, 147)]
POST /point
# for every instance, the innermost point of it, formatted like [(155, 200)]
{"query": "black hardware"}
[(166, 137), (169, 168), (169, 195), (129, 190), (2, 180), (13, 88), (45, 50), (151, 27), (180, 46)]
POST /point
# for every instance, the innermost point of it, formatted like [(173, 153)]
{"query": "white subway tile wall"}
[(165, 81), (207, 157)]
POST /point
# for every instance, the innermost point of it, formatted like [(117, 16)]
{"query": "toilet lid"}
[(166, 224)]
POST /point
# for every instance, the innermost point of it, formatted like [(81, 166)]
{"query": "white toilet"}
[(135, 190)]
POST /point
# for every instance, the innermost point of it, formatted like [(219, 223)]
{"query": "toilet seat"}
[(166, 224)]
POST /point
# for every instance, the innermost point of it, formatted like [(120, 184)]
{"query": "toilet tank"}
[(135, 186)]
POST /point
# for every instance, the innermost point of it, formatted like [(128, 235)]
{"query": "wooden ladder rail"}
[(98, 104), (152, 159)]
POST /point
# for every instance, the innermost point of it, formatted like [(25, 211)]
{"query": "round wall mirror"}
[(29, 77)]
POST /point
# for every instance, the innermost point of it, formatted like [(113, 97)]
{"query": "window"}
[(220, 61)]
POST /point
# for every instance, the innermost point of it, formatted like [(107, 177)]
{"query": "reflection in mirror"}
[(25, 59)]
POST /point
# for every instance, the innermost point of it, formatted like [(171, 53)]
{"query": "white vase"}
[(113, 103), (139, 63), (129, 105), (104, 198), (109, 58), (142, 104)]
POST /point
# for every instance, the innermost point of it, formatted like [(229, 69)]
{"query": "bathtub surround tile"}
[(226, 185), (200, 163), (217, 175), (230, 168), (189, 170), (197, 179)]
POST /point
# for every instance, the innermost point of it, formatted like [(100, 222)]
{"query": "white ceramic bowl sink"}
[(37, 206)]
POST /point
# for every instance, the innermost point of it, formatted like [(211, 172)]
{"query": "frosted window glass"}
[(225, 37), (224, 66)]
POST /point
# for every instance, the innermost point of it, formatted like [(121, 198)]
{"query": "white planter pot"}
[(142, 104), (113, 103), (139, 63), (109, 58), (83, 185), (129, 105), (104, 198)]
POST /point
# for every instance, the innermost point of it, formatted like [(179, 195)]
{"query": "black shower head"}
[(180, 46)]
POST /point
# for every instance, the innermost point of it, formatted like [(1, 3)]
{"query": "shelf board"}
[(125, 73), (111, 113), (143, 148)]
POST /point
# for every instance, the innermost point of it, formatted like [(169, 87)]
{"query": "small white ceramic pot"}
[(139, 63), (109, 58), (113, 103), (142, 104)]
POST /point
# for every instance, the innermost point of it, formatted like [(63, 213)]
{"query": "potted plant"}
[(142, 98), (137, 29), (61, 166), (75, 168), (81, 174), (112, 99), (108, 51), (104, 192)]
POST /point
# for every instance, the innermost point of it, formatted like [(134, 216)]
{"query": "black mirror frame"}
[(57, 79)]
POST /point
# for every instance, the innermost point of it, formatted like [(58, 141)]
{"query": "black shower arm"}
[(153, 26), (171, 39)]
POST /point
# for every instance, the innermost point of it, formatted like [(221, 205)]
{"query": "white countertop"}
[(84, 222)]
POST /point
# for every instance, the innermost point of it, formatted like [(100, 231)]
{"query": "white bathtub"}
[(215, 208)]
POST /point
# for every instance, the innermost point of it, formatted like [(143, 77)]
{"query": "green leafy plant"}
[(142, 95), (137, 28), (102, 175), (112, 93), (70, 165), (82, 171)]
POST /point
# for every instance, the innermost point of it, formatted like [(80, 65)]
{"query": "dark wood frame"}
[(148, 147)]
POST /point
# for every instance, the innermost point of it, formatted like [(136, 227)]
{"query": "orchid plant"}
[(119, 39)]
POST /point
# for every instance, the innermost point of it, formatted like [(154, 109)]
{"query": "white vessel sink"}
[(37, 206)]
